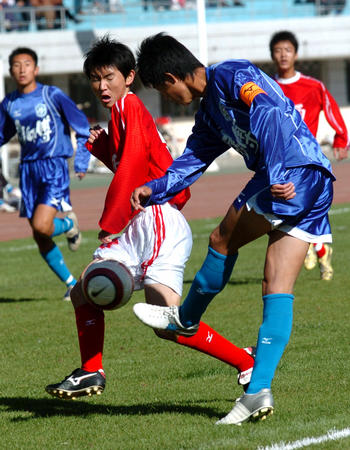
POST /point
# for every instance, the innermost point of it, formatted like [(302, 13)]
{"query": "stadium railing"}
[(134, 13)]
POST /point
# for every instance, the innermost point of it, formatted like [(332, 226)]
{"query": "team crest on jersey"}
[(41, 110)]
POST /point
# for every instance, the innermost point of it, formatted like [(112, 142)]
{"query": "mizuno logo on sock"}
[(209, 337), (266, 340)]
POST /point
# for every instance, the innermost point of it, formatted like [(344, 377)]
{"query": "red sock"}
[(208, 341), (320, 252), (91, 329)]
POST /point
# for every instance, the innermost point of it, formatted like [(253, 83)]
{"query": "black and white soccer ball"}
[(107, 284)]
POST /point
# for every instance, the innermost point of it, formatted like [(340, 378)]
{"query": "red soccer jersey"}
[(310, 97), (135, 152)]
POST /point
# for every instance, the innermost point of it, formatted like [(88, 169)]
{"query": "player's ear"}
[(130, 78), (170, 78), (36, 71)]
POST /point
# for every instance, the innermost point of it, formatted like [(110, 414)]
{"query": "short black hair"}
[(284, 36), (23, 51), (109, 52), (160, 54)]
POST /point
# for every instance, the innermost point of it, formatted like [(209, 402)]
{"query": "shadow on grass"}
[(46, 408), (242, 281), (20, 300)]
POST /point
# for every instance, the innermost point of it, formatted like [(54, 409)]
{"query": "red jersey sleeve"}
[(98, 149), (335, 119)]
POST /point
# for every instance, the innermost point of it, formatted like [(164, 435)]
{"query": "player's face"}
[(24, 71), (284, 55), (177, 91), (109, 84)]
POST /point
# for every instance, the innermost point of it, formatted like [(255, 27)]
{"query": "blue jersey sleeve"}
[(272, 126), (266, 124), (79, 123), (201, 149), (7, 127)]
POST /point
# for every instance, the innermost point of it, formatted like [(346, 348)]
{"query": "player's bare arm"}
[(340, 153), (105, 237), (285, 191), (139, 197), (94, 133)]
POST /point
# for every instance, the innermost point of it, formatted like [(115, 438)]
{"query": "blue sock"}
[(273, 337), (55, 261), (61, 225), (209, 281)]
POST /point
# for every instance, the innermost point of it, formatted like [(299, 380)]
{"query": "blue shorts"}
[(306, 215), (44, 181)]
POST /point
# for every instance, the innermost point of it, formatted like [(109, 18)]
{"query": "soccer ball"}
[(107, 284)]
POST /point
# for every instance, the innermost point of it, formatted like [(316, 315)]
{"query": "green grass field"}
[(160, 395)]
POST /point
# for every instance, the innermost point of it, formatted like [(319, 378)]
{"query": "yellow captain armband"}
[(249, 91)]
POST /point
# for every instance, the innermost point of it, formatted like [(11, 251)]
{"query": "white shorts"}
[(155, 247)]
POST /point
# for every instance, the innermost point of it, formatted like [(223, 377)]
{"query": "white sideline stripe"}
[(35, 247), (333, 212), (332, 435)]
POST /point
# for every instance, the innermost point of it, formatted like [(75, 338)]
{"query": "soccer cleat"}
[(73, 235), (66, 297), (252, 407), (243, 378), (326, 268), (310, 258), (163, 318), (77, 384), (5, 207)]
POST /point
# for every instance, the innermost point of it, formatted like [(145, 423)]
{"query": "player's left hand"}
[(105, 237), (340, 153), (285, 191), (80, 175), (140, 196)]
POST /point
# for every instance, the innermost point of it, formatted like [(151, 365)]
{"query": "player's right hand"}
[(105, 237), (94, 133), (284, 191), (139, 197)]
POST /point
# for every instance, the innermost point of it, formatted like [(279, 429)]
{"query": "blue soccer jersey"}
[(245, 109), (42, 121)]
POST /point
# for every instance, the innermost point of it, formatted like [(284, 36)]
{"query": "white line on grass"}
[(333, 212), (22, 248), (332, 435)]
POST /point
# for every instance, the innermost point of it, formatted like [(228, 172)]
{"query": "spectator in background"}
[(310, 97), (328, 6)]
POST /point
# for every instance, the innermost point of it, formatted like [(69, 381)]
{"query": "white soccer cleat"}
[(73, 235), (250, 407), (5, 207), (163, 318)]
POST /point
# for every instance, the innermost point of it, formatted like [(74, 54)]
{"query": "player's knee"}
[(42, 228), (77, 296)]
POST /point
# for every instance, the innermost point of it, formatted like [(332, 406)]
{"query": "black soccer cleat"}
[(77, 384)]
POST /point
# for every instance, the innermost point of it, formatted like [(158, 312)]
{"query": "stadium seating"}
[(101, 14)]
